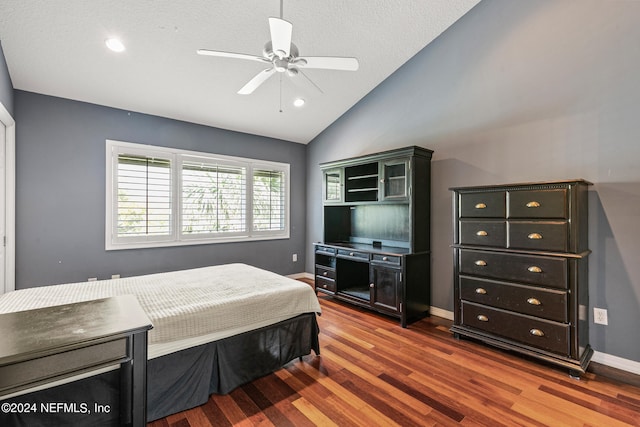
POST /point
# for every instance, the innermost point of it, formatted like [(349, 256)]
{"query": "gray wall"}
[(6, 88), (60, 193), (520, 91)]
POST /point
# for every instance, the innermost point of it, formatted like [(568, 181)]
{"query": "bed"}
[(215, 328)]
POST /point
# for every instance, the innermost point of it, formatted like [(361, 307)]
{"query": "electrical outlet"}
[(600, 316), (295, 258)]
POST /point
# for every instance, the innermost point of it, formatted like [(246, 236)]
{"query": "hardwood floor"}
[(371, 372)]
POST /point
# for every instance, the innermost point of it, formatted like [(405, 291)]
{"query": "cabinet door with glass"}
[(333, 187), (385, 288), (395, 179)]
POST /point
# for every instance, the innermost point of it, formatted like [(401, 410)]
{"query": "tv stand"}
[(376, 248)]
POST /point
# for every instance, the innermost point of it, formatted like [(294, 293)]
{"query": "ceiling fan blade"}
[(221, 54), (327, 63), (253, 84), (280, 36)]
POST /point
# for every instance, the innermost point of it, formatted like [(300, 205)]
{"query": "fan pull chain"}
[(281, 92)]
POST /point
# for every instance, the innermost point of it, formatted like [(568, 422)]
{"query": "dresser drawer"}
[(489, 204), (540, 333), (539, 235), (325, 250), (386, 259), (44, 368), (546, 303), (483, 233), (348, 253), (537, 270), (538, 204), (323, 271), (325, 284)]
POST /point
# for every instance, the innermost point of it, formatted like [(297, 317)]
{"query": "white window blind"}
[(158, 196), (143, 196), (213, 198), (268, 200)]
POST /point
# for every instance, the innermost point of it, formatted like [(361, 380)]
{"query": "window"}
[(268, 200), (163, 197), (144, 196), (213, 198)]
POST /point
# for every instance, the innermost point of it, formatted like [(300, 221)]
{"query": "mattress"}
[(188, 307)]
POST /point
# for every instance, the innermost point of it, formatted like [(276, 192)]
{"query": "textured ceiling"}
[(57, 48)]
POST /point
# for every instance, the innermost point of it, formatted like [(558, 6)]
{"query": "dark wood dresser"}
[(521, 269), (45, 345)]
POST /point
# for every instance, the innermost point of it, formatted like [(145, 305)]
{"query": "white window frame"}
[(176, 238)]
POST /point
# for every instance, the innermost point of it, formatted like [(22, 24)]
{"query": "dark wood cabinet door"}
[(333, 187), (385, 288), (395, 179)]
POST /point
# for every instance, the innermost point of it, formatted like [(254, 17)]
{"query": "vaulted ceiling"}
[(58, 48)]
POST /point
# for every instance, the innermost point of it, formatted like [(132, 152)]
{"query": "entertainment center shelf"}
[(362, 182), (376, 247)]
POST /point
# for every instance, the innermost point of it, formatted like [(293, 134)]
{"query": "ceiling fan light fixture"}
[(282, 54), (298, 102), (114, 44)]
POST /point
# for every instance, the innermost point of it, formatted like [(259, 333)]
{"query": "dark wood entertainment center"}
[(376, 221)]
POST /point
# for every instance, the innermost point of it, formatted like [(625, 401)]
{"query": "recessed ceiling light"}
[(298, 102), (114, 44)]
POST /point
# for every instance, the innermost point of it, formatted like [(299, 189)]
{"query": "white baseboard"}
[(303, 275), (616, 362), (445, 314)]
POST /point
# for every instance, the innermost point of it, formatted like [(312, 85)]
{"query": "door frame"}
[(10, 200)]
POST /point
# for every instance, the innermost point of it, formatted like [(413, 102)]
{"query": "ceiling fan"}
[(283, 56)]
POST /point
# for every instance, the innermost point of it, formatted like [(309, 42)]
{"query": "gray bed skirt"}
[(175, 382)]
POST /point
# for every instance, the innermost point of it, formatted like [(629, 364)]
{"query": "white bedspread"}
[(191, 306)]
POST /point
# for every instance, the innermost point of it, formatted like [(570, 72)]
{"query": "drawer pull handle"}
[(482, 318), (482, 233), (534, 301), (481, 291), (535, 236), (325, 273), (372, 285), (536, 332), (481, 206), (384, 258), (351, 254), (481, 263), (534, 269), (324, 286), (533, 205)]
